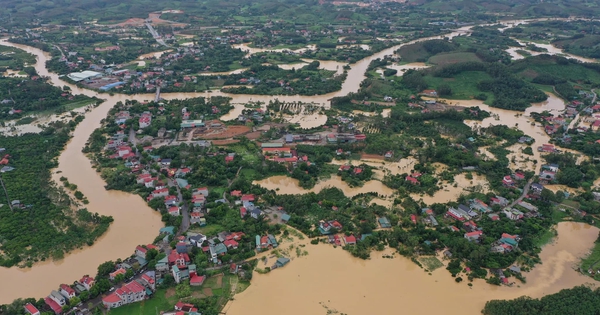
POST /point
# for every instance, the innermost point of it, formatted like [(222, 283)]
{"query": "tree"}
[(183, 290), (105, 268), (128, 274), (444, 90)]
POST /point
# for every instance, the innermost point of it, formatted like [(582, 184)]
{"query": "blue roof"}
[(285, 217), (167, 229), (110, 86)]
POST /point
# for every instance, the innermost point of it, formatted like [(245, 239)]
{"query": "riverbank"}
[(387, 286)]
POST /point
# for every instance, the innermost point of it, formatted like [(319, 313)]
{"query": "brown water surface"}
[(331, 278)]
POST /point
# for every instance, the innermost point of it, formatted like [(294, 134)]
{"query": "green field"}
[(149, 307), (463, 85), (431, 263), (592, 260), (211, 229), (454, 57)]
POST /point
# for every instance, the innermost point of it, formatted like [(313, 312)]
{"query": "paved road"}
[(525, 191), (156, 35), (185, 222)]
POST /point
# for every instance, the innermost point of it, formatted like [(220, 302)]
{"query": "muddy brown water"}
[(331, 278)]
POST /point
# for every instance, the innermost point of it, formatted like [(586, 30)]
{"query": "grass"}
[(451, 58), (250, 174), (148, 307), (590, 260), (545, 238), (431, 263), (211, 229), (463, 85), (67, 107)]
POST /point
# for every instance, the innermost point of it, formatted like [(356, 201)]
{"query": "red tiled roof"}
[(53, 305), (68, 289), (111, 298), (350, 239), (31, 309)]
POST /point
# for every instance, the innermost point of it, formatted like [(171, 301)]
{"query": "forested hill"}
[(579, 300), (518, 8), (216, 12)]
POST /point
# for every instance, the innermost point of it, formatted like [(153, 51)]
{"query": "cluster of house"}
[(332, 227), (265, 242), (60, 297), (4, 162), (356, 170), (413, 178), (277, 152), (511, 181)]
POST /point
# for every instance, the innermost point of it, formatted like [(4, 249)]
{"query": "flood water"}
[(288, 185), (135, 223), (398, 286)]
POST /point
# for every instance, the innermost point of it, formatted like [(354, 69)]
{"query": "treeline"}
[(32, 96), (580, 300)]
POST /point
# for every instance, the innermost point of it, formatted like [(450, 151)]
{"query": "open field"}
[(224, 132), (148, 307), (451, 58), (463, 85)]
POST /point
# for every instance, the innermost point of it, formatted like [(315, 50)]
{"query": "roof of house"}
[(53, 305), (111, 298), (67, 289), (31, 309), (350, 239)]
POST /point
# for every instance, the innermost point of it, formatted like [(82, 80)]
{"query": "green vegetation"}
[(26, 235), (579, 300), (272, 80), (148, 307)]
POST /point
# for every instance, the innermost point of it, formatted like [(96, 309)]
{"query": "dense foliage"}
[(580, 300), (45, 226)]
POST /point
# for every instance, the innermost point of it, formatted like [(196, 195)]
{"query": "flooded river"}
[(398, 286), (135, 223)]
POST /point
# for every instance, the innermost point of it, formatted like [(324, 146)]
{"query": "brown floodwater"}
[(329, 278), (287, 185)]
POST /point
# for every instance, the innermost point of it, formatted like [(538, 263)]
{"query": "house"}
[(67, 291), (494, 216), (178, 259), (384, 223), (507, 181), (31, 310), (350, 240), (551, 167), (128, 293), (458, 214), (518, 176), (537, 188), (181, 247), (114, 274), (148, 280), (186, 307), (236, 193), (470, 226), (479, 205), (282, 261), (196, 280), (248, 198), (473, 236), (174, 211), (388, 155), (413, 218), (412, 180), (255, 213), (285, 218), (53, 305), (513, 214), (87, 282), (528, 206), (431, 93), (58, 298), (499, 200)]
